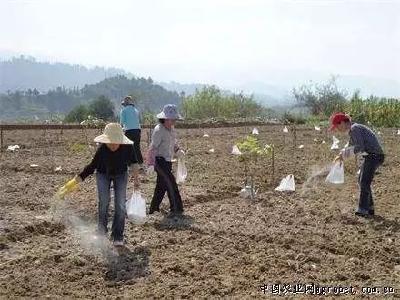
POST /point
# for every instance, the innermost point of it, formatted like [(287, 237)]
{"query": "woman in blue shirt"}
[(129, 119)]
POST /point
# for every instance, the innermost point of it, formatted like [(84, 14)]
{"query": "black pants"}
[(368, 169), (134, 135), (166, 183)]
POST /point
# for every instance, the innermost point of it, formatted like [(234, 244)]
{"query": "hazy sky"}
[(220, 41)]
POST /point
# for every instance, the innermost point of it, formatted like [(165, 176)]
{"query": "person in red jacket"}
[(362, 141)]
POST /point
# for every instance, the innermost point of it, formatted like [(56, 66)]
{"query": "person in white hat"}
[(162, 149), (110, 162)]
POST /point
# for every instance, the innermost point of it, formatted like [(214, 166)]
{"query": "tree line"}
[(321, 100), (31, 103)]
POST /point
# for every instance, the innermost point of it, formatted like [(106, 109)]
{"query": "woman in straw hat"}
[(110, 162), (162, 149)]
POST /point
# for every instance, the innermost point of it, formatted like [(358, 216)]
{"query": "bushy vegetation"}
[(211, 103), (102, 108), (322, 100), (379, 112)]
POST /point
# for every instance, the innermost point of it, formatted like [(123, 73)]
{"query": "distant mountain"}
[(272, 88), (149, 95), (32, 104), (188, 89), (25, 72)]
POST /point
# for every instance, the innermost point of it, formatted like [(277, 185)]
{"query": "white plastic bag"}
[(317, 128), (285, 130), (336, 174), (287, 184), (255, 131), (136, 208), (181, 172)]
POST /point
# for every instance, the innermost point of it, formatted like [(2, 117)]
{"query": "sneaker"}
[(371, 212), (118, 243)]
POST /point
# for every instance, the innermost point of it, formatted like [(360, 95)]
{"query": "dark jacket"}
[(110, 163)]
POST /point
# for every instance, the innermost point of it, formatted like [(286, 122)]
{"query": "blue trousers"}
[(103, 190)]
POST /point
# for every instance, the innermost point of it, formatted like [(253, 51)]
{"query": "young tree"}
[(252, 151)]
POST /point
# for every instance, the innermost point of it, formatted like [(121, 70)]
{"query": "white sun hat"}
[(170, 111), (113, 134)]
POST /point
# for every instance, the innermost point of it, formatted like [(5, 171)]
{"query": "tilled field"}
[(225, 246)]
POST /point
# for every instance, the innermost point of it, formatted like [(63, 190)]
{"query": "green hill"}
[(32, 104)]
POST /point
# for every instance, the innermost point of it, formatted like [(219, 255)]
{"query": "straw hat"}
[(170, 111), (113, 134)]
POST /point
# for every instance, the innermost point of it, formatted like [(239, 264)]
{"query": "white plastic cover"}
[(235, 150), (287, 184), (245, 192), (12, 148)]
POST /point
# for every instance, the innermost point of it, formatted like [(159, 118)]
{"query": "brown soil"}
[(225, 246)]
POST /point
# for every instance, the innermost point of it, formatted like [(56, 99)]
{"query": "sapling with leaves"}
[(252, 152)]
